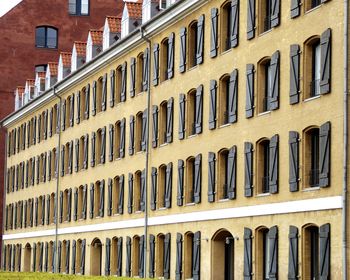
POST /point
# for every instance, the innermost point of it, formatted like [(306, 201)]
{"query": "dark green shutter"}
[(324, 157), (61, 207), (71, 111), (180, 182), (293, 161), (325, 42), (86, 151), (273, 164), (67, 256), (214, 32), (249, 107), (63, 124), (248, 169), (183, 42), (293, 264), (294, 74)]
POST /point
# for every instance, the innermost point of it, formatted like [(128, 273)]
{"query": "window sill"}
[(223, 200), (263, 194), (226, 51), (164, 81), (191, 136), (265, 32), (139, 152), (138, 212), (312, 98), (140, 93), (312, 9), (224, 125), (311, 189), (118, 158), (163, 145), (192, 67), (190, 204), (264, 113), (162, 209), (116, 215)]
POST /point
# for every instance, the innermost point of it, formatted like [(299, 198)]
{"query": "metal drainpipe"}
[(58, 175), (4, 196), (345, 139), (147, 152)]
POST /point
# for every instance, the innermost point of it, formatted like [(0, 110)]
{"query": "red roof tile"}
[(96, 36), (134, 9), (53, 68), (80, 48), (66, 58), (114, 23)]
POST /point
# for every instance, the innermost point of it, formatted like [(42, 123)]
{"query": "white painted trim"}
[(315, 204)]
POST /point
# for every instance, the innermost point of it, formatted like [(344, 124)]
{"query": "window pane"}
[(40, 68), (84, 7), (72, 7), (40, 37), (51, 38)]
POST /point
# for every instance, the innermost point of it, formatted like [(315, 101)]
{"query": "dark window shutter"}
[(104, 93), (109, 198), (128, 257), (234, 23), (34, 258), (141, 256), (75, 209), (55, 211), (211, 177), (19, 133), (155, 64), (153, 188), (143, 190), (248, 169), (61, 207), (34, 132), (87, 101), (169, 120), (103, 145), (180, 182), (231, 173), (145, 70), (76, 166), (130, 198), (273, 252), (183, 35), (48, 202), (295, 8), (251, 19), (122, 138), (168, 185), (154, 126), (121, 195), (200, 40), (108, 257), (112, 85), (274, 98), (214, 32), (45, 128), (324, 157), (84, 210), (325, 81), (42, 210), (86, 151), (82, 260), (131, 139), (151, 255), (196, 255), (92, 200), (120, 256), (74, 252), (101, 210), (93, 149), (64, 112), (77, 119), (56, 162), (50, 125), (249, 107), (123, 85), (46, 257), (166, 263), (182, 103), (197, 178), (275, 13), (93, 106), (199, 109), (293, 161), (293, 253), (178, 270), (325, 244), (233, 90), (67, 256), (70, 157), (71, 111), (212, 104), (143, 132), (273, 164), (171, 55), (294, 74)]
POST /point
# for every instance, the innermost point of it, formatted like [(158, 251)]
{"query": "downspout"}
[(147, 151), (58, 176), (4, 196), (345, 139)]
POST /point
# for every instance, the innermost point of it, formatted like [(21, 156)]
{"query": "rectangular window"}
[(316, 69), (78, 7)]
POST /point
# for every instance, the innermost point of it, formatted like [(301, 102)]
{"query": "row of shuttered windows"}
[(221, 181), (315, 256)]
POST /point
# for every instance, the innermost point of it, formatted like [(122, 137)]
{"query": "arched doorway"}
[(222, 255), (27, 257), (96, 257)]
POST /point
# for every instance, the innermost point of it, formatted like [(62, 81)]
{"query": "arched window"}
[(226, 26), (136, 255), (46, 37), (263, 158), (311, 156), (192, 44), (191, 112), (190, 175), (311, 251), (312, 67), (224, 89), (161, 186), (264, 84)]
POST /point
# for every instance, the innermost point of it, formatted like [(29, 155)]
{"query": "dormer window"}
[(78, 7), (40, 68), (46, 37)]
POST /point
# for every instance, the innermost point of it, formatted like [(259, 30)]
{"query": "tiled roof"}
[(80, 47), (114, 23), (30, 82), (96, 36), (53, 68), (66, 58), (41, 74), (20, 90), (134, 9)]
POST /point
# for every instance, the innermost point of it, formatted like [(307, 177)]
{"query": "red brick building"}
[(28, 40)]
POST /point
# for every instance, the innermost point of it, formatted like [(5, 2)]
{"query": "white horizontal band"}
[(315, 204)]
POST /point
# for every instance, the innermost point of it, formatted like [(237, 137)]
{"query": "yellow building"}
[(207, 142)]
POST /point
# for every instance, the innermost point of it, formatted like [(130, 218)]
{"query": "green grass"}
[(42, 275)]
